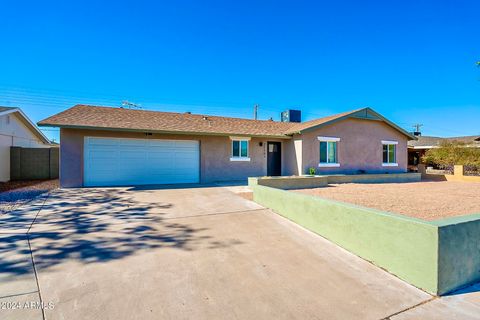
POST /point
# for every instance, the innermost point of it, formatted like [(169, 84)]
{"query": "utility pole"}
[(130, 105), (255, 111), (416, 128)]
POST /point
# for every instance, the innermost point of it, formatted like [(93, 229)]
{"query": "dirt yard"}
[(13, 194), (424, 200)]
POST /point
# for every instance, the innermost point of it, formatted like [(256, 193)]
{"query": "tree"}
[(451, 153)]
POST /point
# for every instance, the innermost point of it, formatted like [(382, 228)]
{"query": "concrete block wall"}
[(458, 175), (33, 163), (304, 182), (436, 256), (290, 182)]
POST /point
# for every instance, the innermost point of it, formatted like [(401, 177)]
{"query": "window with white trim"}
[(240, 149), (389, 153), (328, 152)]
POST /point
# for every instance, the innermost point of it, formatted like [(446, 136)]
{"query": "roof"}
[(6, 108), (109, 118), (428, 142), (363, 113), (83, 116), (26, 121), (302, 126)]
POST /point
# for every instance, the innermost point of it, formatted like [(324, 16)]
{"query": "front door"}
[(274, 158)]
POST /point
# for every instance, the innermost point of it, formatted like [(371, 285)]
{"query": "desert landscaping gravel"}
[(16, 193), (423, 200)]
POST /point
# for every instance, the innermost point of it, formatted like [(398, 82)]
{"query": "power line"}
[(61, 99)]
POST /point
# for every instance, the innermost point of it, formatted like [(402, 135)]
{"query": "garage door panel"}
[(103, 153), (132, 142), (115, 161), (125, 155), (103, 142), (102, 167), (184, 143), (161, 143), (159, 156)]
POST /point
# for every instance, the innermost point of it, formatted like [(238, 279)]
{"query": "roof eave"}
[(349, 115), (195, 133), (29, 122), (405, 132)]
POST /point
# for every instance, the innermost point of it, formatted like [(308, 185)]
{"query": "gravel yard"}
[(423, 200), (15, 193)]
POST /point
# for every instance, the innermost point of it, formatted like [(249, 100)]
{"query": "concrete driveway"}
[(188, 253)]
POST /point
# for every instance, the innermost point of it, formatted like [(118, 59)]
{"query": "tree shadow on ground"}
[(20, 195), (96, 225)]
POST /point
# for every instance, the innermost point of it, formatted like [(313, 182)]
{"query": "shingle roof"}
[(95, 117), (298, 127), (23, 117), (127, 119), (425, 141), (430, 141), (6, 108), (465, 139)]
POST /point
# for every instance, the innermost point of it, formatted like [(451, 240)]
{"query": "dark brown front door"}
[(274, 158)]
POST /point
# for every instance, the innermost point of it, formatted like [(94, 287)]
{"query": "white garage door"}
[(116, 161)]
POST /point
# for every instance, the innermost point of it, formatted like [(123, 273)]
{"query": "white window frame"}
[(329, 164), (240, 139), (389, 164)]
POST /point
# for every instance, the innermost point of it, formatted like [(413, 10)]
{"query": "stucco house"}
[(16, 130), (417, 148), (105, 146)]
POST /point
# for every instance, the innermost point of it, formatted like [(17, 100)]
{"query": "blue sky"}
[(412, 61)]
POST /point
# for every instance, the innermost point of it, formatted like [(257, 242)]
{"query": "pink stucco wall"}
[(359, 148), (215, 153)]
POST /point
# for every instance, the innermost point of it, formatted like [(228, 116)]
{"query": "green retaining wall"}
[(303, 182), (459, 252), (375, 178), (294, 182), (435, 257)]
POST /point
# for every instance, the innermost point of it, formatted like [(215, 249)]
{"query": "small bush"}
[(311, 171), (452, 153)]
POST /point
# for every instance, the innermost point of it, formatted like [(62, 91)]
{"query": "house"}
[(418, 148), (16, 130), (105, 146)]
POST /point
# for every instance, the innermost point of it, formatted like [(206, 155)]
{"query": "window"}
[(389, 153), (328, 152), (240, 149)]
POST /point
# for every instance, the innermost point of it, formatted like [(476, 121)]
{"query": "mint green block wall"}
[(406, 247), (286, 183), (375, 178), (459, 252)]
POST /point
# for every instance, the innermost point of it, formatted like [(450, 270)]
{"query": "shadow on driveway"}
[(95, 225)]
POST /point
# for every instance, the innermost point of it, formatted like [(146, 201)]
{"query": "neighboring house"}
[(418, 148), (103, 146), (16, 130)]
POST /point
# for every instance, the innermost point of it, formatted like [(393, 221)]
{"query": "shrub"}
[(453, 153), (311, 171)]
